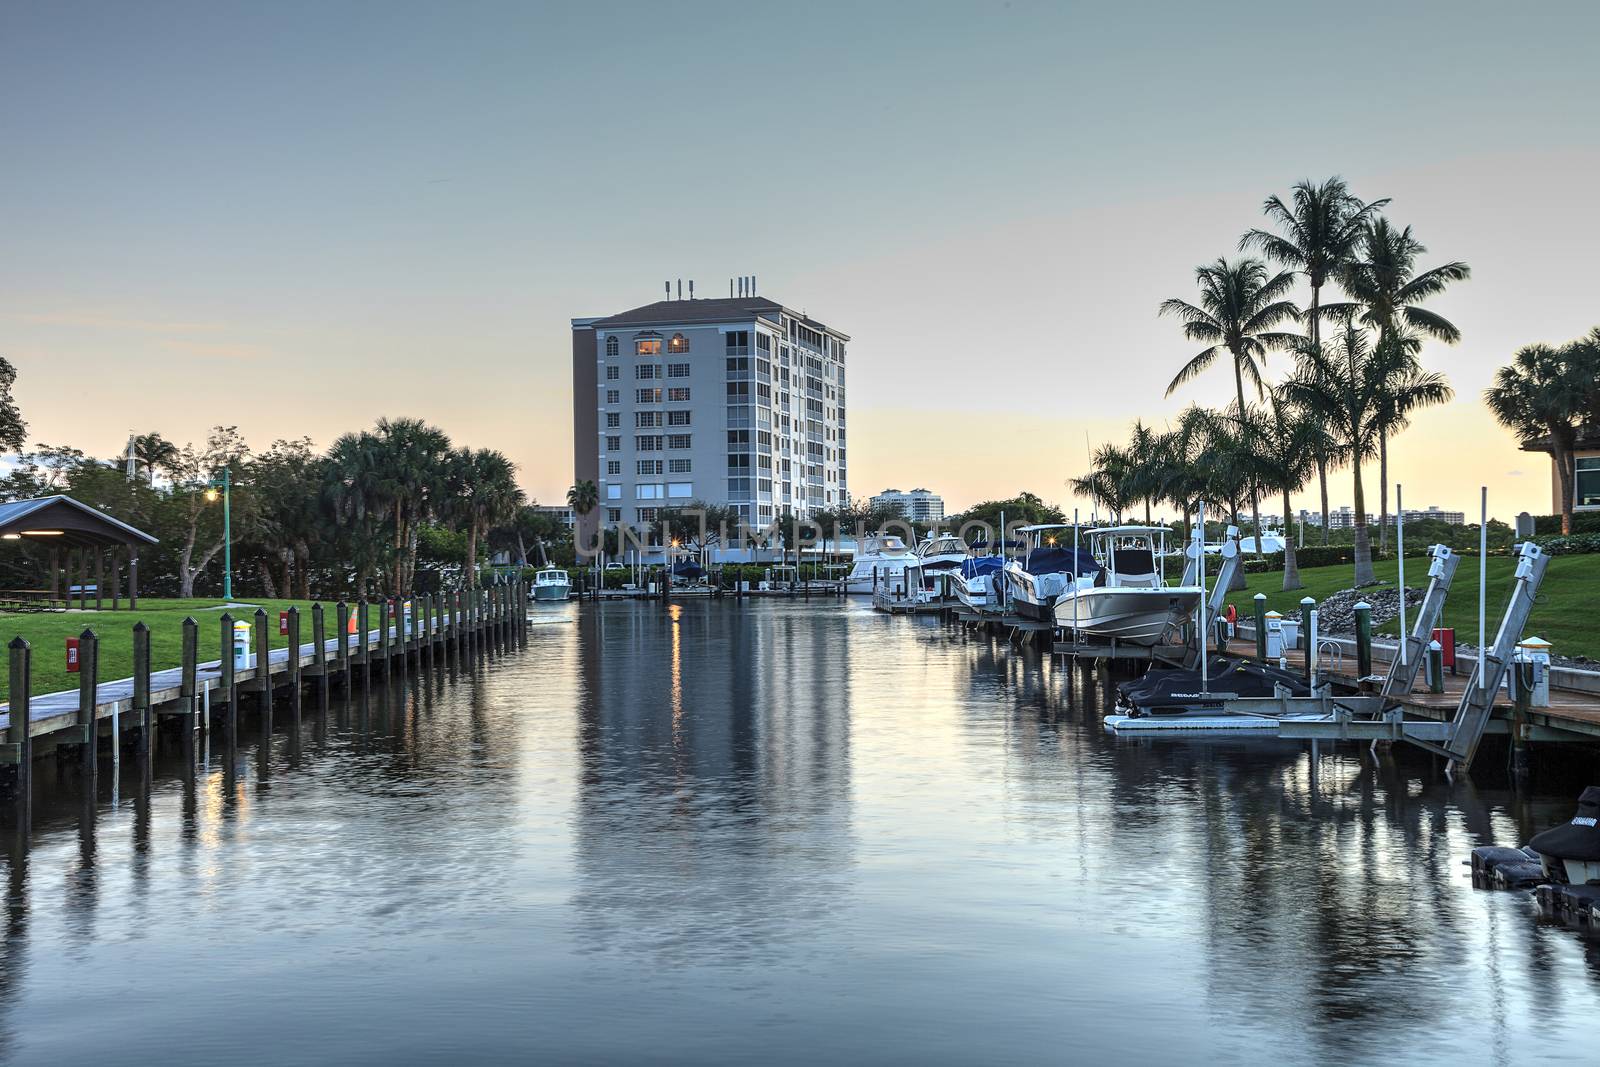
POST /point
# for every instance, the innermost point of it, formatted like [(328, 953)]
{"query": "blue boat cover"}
[(687, 568), (1060, 560), (976, 565)]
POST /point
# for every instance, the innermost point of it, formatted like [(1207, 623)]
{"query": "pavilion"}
[(81, 539)]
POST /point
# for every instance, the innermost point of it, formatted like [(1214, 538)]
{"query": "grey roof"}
[(1588, 437), (686, 312), (13, 512)]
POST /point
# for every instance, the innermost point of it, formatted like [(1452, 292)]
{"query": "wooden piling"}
[(1363, 612), (189, 690), (263, 679), (142, 712), (363, 648), (88, 694), (341, 622), (383, 634), (292, 668), (19, 734), (228, 683), (1307, 606)]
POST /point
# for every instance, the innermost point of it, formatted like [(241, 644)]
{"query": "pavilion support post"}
[(133, 578), (99, 578), (116, 578), (55, 573), (66, 575)]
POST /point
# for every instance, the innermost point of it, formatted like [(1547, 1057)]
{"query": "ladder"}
[(1477, 703)]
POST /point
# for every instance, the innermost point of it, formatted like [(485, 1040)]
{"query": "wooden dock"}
[(459, 623)]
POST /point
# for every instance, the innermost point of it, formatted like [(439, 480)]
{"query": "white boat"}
[(1271, 541), (551, 584), (880, 562), (1129, 599), (978, 584), (1035, 580)]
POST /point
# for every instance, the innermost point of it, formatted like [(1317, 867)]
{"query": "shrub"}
[(1550, 525), (1572, 545)]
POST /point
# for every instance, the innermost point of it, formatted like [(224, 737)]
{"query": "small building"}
[(919, 505), (1585, 470), (81, 551)]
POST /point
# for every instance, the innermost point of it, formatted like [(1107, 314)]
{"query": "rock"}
[(1337, 614)]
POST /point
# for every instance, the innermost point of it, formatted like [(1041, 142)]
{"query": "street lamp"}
[(222, 483)]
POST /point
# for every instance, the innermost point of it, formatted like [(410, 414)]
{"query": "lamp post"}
[(224, 484)]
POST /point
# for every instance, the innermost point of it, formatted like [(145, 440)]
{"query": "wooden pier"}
[(456, 624)]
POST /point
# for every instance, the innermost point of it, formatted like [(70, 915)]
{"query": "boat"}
[(1129, 599), (1035, 580), (977, 584), (550, 584), (879, 559), (1271, 541)]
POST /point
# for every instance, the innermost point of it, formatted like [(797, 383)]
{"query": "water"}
[(792, 832)]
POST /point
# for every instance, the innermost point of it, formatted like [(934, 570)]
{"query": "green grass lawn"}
[(1570, 591), (47, 632)]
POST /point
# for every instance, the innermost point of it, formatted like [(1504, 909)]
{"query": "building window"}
[(613, 492), (645, 491), (679, 466), (646, 420), (613, 444), (678, 440), (739, 392), (613, 466), (613, 514), (646, 514), (648, 396), (738, 342), (1586, 483), (647, 346), (613, 373), (611, 345), (647, 467), (613, 396), (678, 418), (647, 443), (644, 372), (679, 343), (677, 370), (613, 420), (763, 343), (680, 490), (678, 395)]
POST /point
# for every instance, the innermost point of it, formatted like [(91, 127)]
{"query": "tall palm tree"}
[(411, 470), (1349, 383), (1285, 435), (151, 453), (1546, 392), (1318, 231), (483, 493), (1239, 308), (1386, 292), (352, 494)]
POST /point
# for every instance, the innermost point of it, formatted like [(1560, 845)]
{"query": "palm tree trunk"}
[(1291, 566), (1363, 545), (1565, 471), (1244, 441), (1322, 481), (1383, 492)]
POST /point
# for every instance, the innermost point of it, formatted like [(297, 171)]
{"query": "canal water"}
[(781, 832)]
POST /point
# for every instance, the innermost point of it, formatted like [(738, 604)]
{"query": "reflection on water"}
[(718, 831)]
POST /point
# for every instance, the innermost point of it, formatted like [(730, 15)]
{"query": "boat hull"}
[(551, 593), (1137, 616)]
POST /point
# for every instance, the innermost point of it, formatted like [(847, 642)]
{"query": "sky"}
[(296, 217)]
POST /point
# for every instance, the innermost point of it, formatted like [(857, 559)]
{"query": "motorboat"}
[(944, 552), (551, 584), (1271, 541), (1129, 599), (978, 584), (1035, 580), (880, 562)]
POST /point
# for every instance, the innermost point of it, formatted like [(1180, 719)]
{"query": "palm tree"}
[(352, 495), (1386, 291), (1350, 384), (483, 493), (152, 452), (1108, 482), (1546, 392), (1239, 308), (1286, 432), (1318, 231), (410, 471)]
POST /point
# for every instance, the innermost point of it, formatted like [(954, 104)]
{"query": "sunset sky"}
[(299, 217)]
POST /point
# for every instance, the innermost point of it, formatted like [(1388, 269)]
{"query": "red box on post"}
[(72, 655), (1446, 636), (283, 624)]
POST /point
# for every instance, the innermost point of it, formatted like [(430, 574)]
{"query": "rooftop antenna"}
[(730, 288), (680, 288), (691, 288), (752, 285), (669, 290)]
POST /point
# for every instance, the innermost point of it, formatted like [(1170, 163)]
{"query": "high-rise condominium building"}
[(919, 505), (737, 401)]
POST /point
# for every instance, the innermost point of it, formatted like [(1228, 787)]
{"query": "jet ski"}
[(1571, 852), (1176, 692)]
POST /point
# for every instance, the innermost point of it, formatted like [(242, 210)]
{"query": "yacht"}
[(1035, 580), (878, 560), (1129, 599), (551, 583)]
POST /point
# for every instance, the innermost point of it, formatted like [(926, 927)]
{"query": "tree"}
[(1546, 392), (352, 493), (202, 526), (1238, 311), (1386, 292), (152, 453), (483, 492), (411, 470), (1286, 457), (287, 519), (1318, 231), (13, 430)]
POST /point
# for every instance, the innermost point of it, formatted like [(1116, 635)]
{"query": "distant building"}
[(1454, 518), (737, 402), (1585, 470), (560, 512), (919, 505), (1344, 518)]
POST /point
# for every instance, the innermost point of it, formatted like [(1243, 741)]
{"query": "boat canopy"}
[(1043, 526), (1128, 531), (687, 568), (1061, 560), (976, 565)]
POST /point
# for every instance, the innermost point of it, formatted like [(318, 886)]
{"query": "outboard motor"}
[(1571, 852)]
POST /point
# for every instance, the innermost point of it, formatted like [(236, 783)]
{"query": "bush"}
[(1550, 525), (1573, 545)]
